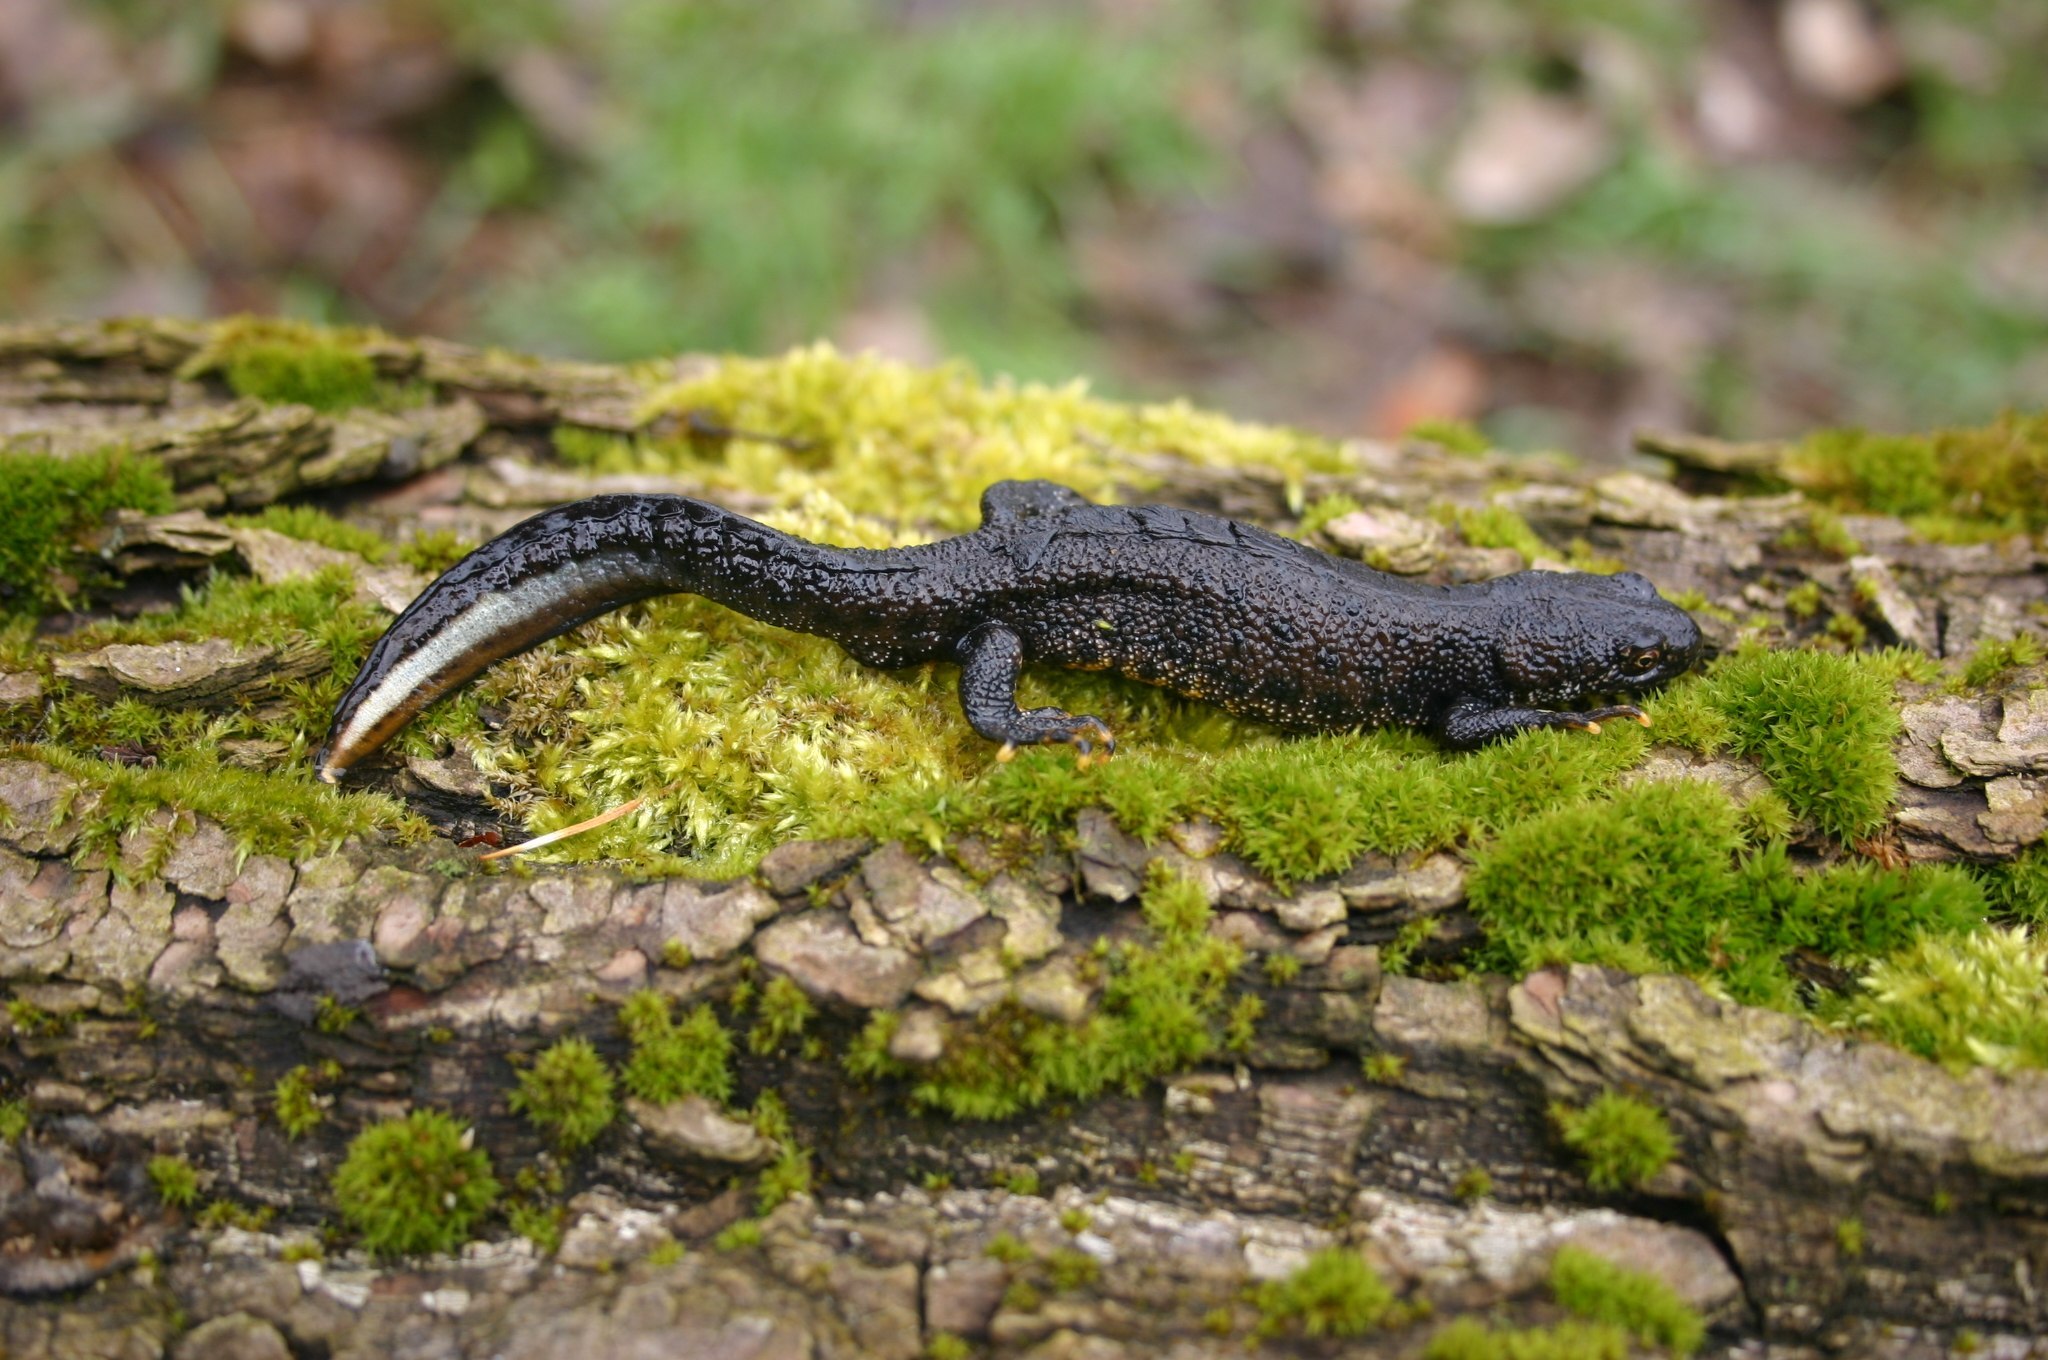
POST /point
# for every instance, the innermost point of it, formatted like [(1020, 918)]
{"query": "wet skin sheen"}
[(1204, 606)]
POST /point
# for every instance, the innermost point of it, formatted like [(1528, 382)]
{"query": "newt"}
[(1208, 607)]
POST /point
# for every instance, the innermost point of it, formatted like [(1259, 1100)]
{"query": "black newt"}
[(1205, 606)]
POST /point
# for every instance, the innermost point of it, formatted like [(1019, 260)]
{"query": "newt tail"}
[(1205, 606)]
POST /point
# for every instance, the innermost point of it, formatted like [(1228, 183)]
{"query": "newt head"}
[(1565, 635)]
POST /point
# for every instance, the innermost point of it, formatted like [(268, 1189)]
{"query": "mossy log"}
[(175, 995)]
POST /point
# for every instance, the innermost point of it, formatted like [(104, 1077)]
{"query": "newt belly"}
[(1205, 606)]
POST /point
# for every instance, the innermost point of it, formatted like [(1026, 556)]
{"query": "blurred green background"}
[(1559, 218)]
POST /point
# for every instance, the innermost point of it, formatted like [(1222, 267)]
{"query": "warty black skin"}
[(1204, 606)]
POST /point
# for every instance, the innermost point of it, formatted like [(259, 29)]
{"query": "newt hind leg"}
[(991, 659), (1470, 724)]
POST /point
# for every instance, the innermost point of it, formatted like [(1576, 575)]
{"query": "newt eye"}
[(1644, 658)]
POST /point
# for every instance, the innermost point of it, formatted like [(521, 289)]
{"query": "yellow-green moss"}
[(1642, 1304), (176, 1181), (1963, 1000), (1621, 1141), (1163, 1008), (316, 526), (1323, 510), (277, 360), (1496, 526), (297, 1102), (13, 1119), (1961, 483), (1336, 1293), (47, 502), (671, 1060), (567, 1093), (1458, 436), (1820, 725), (1467, 1338), (1993, 660), (414, 1185)]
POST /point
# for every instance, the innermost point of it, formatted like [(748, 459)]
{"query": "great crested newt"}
[(1205, 606)]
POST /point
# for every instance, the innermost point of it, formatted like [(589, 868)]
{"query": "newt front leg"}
[(991, 659), (1471, 724)]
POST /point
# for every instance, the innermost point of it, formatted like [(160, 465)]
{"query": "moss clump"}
[(1335, 1294), (1496, 526), (296, 1099), (1966, 1000), (1571, 884), (414, 1185), (567, 1093), (885, 438), (290, 361), (309, 525), (1164, 1008), (1467, 1338), (1458, 436), (947, 1346), (1621, 1141), (789, 1174), (1961, 483), (176, 1181), (1993, 660), (1070, 1268), (46, 503), (1820, 725), (1322, 511), (1007, 1248), (1602, 1292), (670, 1060), (13, 1119), (739, 1236), (783, 1013)]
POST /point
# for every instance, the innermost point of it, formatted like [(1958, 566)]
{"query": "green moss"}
[(47, 503), (1849, 1237), (1075, 1220), (27, 1018), (316, 526), (1241, 1027), (2017, 890), (1474, 1183), (739, 1236), (13, 1119), (1335, 1294), (1174, 907), (1496, 526), (1602, 1292), (1163, 1009), (1820, 725), (1964, 1000), (1008, 1249), (1458, 436), (1570, 884), (222, 1214), (176, 1181), (567, 1093), (1621, 1141), (1281, 969), (289, 361), (1322, 510), (297, 1102), (947, 1346), (414, 1185), (1987, 479), (918, 445), (789, 1174), (1467, 1338), (1022, 1296), (784, 1012), (433, 551), (331, 1017), (867, 1057), (1995, 659), (541, 1224), (1018, 1181), (670, 1060), (1383, 1069), (1069, 1269), (1804, 600)]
